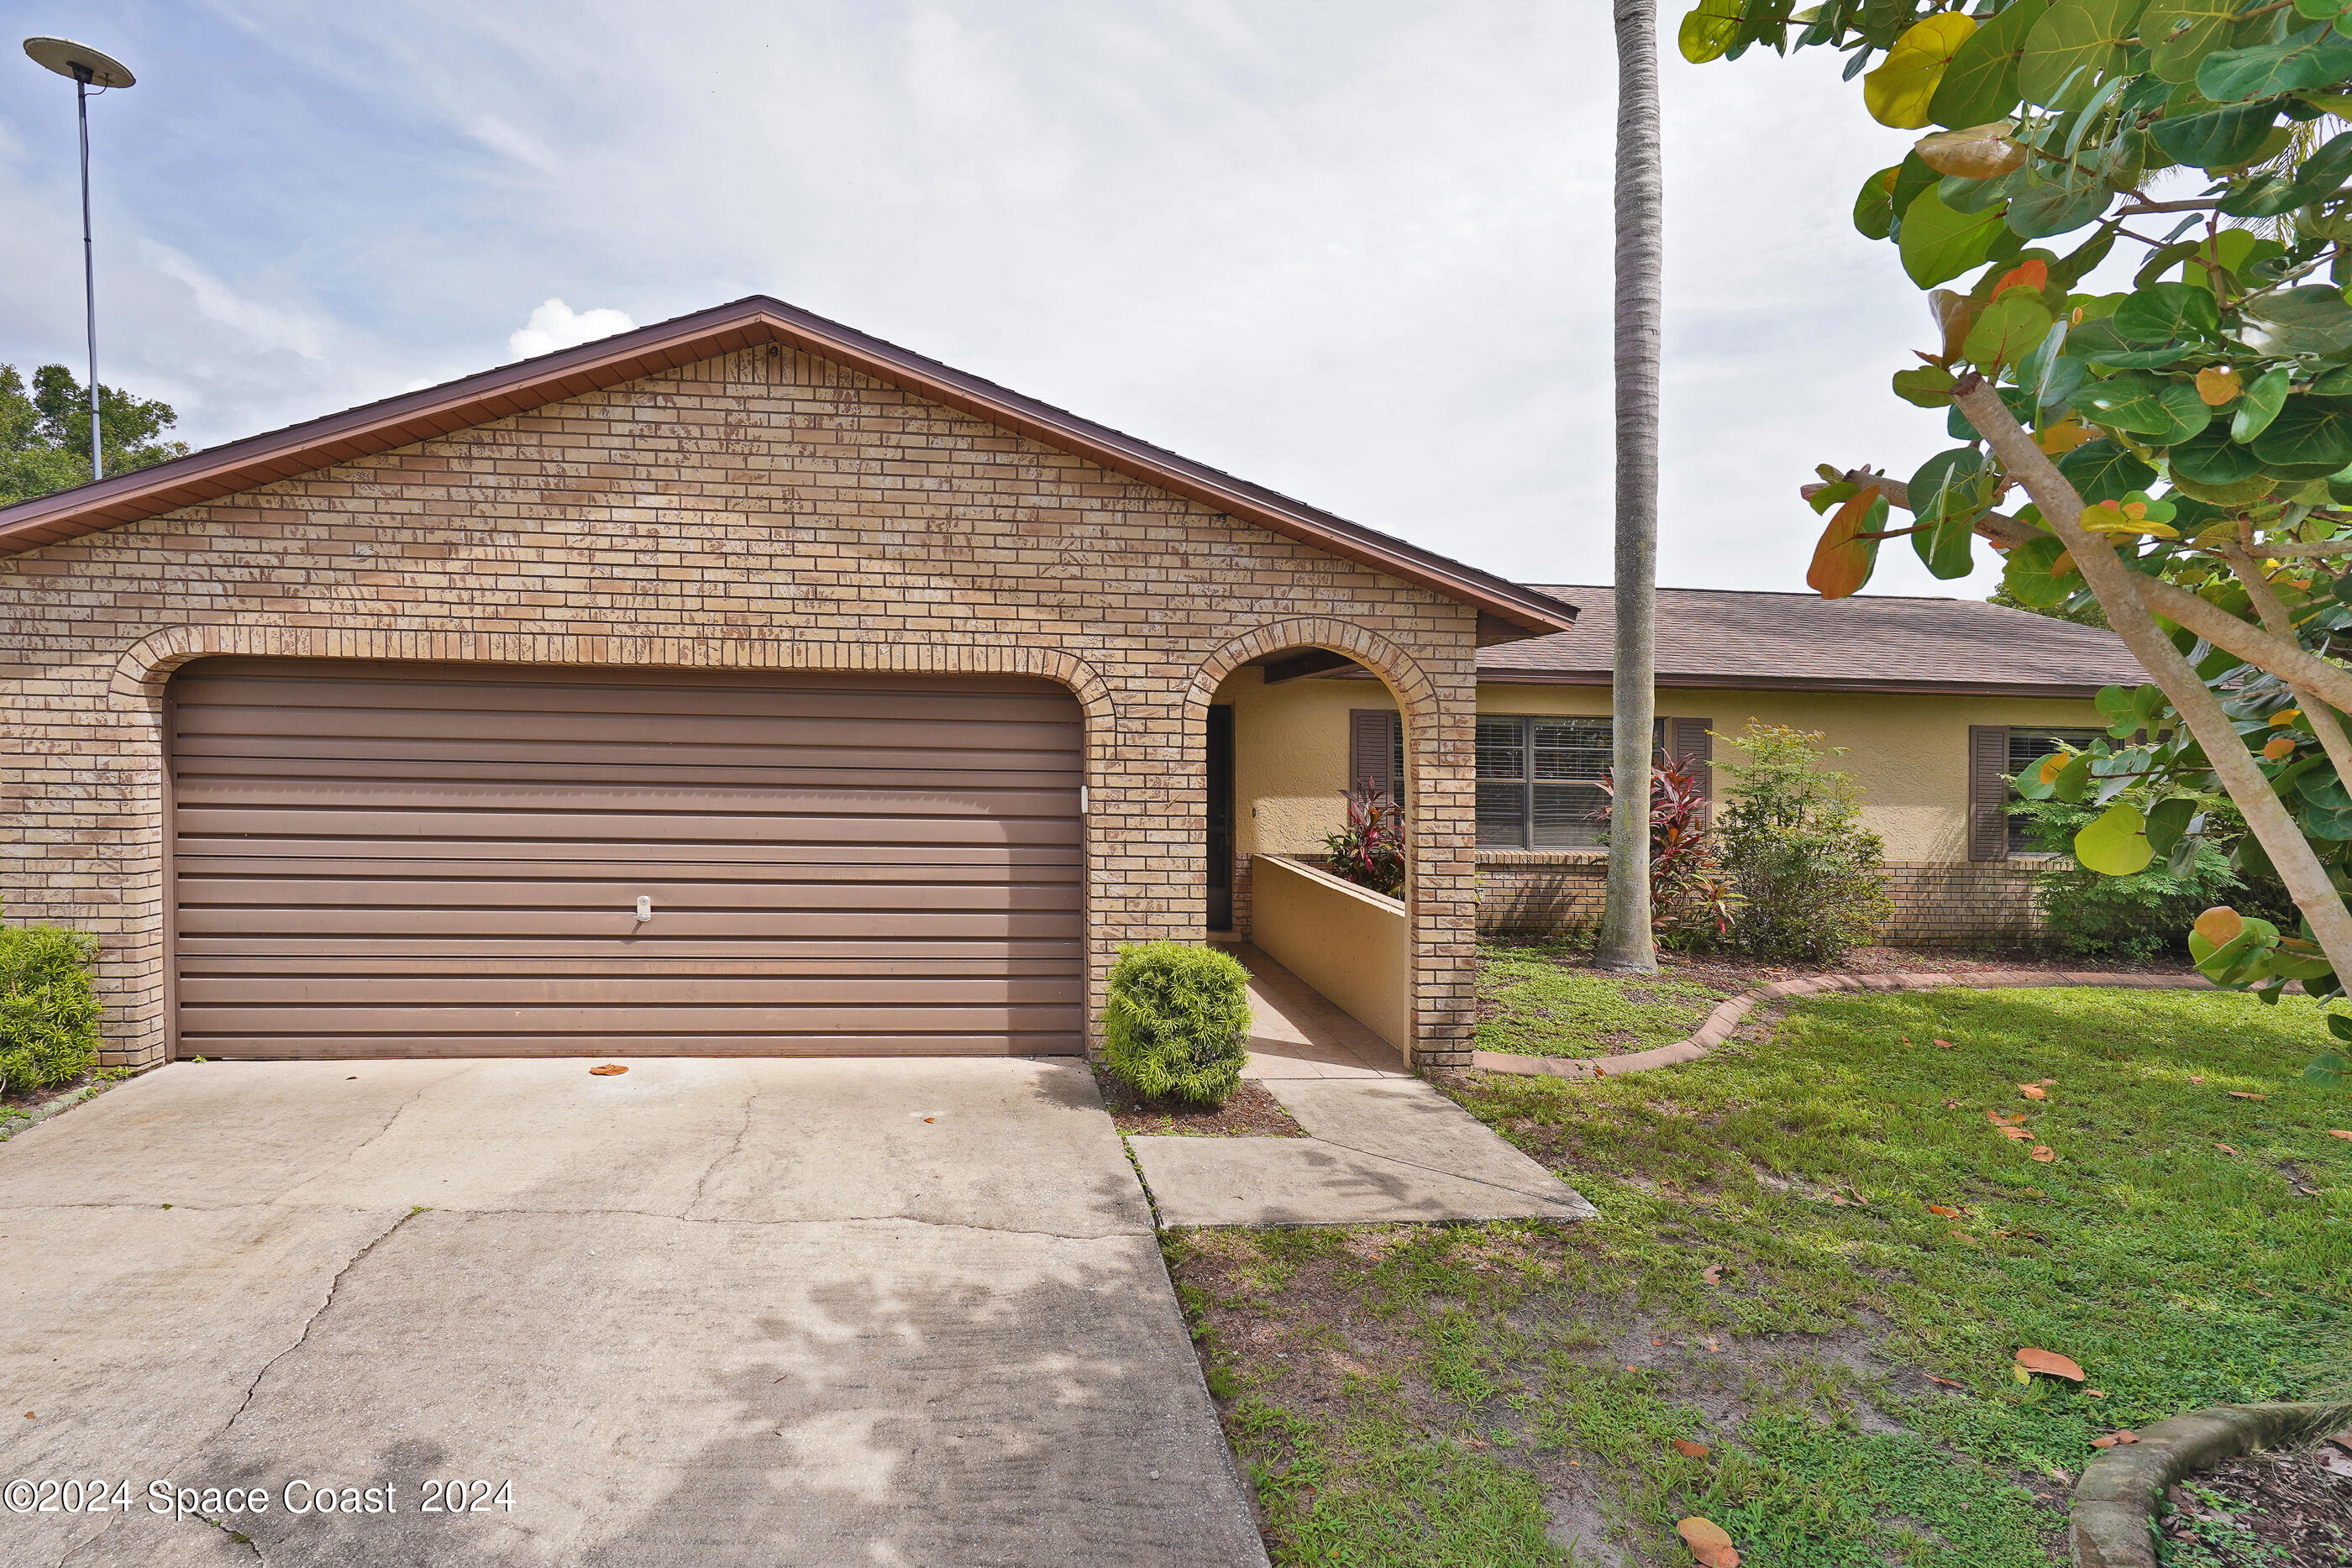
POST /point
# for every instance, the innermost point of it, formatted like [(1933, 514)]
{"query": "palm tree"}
[(1625, 941)]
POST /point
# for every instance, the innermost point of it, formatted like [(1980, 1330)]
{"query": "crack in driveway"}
[(333, 1286)]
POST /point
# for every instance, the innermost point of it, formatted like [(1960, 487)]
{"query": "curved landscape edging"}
[(2112, 1523), (1727, 1015)]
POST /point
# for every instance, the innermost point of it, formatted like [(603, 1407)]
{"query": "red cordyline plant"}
[(1369, 851), (1688, 896)]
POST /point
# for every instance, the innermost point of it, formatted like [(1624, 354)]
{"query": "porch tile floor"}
[(1381, 1145), (1295, 1033)]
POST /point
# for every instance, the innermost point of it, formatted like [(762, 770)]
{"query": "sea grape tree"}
[(2178, 450)]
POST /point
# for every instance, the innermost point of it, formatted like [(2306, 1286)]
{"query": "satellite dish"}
[(79, 61)]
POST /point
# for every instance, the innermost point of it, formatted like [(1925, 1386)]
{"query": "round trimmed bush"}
[(1178, 1024), (48, 1010)]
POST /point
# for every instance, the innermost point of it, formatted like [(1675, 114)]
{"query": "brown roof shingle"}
[(1747, 641)]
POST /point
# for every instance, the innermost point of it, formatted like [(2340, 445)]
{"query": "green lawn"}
[(1541, 1001), (1472, 1394)]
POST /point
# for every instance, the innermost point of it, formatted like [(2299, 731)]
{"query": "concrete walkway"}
[(1383, 1146), (707, 1312)]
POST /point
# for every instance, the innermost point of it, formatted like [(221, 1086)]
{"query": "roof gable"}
[(1507, 611)]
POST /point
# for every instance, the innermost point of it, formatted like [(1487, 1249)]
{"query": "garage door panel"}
[(563, 827), (451, 694), (445, 861), (625, 991), (671, 900), (350, 1048), (951, 725)]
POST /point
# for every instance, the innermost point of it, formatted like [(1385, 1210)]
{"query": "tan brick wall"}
[(1538, 893), (765, 509)]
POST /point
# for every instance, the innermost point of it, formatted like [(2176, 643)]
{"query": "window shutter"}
[(1371, 749), (1693, 740), (1988, 792)]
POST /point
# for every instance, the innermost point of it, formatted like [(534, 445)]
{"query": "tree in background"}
[(2183, 448), (1627, 944), (45, 432)]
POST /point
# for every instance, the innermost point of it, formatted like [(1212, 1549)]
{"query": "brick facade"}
[(766, 508), (1538, 893)]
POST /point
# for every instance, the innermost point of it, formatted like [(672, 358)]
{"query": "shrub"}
[(49, 1009), (2145, 914), (1808, 881), (1178, 1024), (1369, 851), (1690, 903)]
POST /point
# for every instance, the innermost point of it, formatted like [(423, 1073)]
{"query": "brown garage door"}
[(445, 860)]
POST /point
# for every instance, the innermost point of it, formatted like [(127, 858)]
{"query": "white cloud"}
[(556, 325)]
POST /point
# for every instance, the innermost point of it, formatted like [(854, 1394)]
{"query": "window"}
[(1539, 782), (2027, 747)]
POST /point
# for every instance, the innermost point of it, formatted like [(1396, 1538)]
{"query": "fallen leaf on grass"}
[(2049, 1363), (1690, 1450), (2196, 1078), (1947, 1045), (2125, 1436), (1708, 1544), (1947, 1211), (2033, 1092), (1712, 1274), (1946, 1382), (608, 1070), (2225, 1148), (2049, 1084), (2262, 1293), (2044, 1153), (2096, 1393), (2339, 1133), (2246, 1095), (2018, 1133)]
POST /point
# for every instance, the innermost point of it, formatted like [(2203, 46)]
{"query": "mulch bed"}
[(1252, 1113), (2291, 1510)]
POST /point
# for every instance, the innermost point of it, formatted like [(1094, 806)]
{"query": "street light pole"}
[(87, 68), (88, 267)]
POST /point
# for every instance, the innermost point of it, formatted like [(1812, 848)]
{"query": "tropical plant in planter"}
[(1690, 902), (1370, 849)]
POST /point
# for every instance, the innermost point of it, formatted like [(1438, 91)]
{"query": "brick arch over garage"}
[(1441, 887), (143, 673)]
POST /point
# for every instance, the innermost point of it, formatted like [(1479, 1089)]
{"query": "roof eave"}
[(508, 389), (2071, 690)]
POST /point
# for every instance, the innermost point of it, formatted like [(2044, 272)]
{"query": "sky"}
[(1359, 253)]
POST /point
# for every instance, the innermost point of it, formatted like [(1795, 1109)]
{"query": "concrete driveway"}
[(885, 1312)]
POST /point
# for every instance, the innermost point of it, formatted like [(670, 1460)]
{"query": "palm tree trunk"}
[(1626, 940)]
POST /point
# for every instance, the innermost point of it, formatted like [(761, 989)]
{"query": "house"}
[(1934, 700), (739, 684)]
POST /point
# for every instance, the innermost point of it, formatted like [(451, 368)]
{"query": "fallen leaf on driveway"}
[(1690, 1450), (2246, 1095), (2044, 1152), (2049, 1363), (2033, 1092), (1708, 1543), (608, 1070)]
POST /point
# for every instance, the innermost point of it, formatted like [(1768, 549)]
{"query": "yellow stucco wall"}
[(1909, 754)]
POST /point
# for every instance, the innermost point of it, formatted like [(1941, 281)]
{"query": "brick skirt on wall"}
[(1533, 893)]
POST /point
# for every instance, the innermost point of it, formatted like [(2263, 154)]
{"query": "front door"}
[(1221, 818)]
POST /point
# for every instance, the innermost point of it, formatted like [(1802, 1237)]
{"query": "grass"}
[(1540, 1001), (1474, 1394)]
